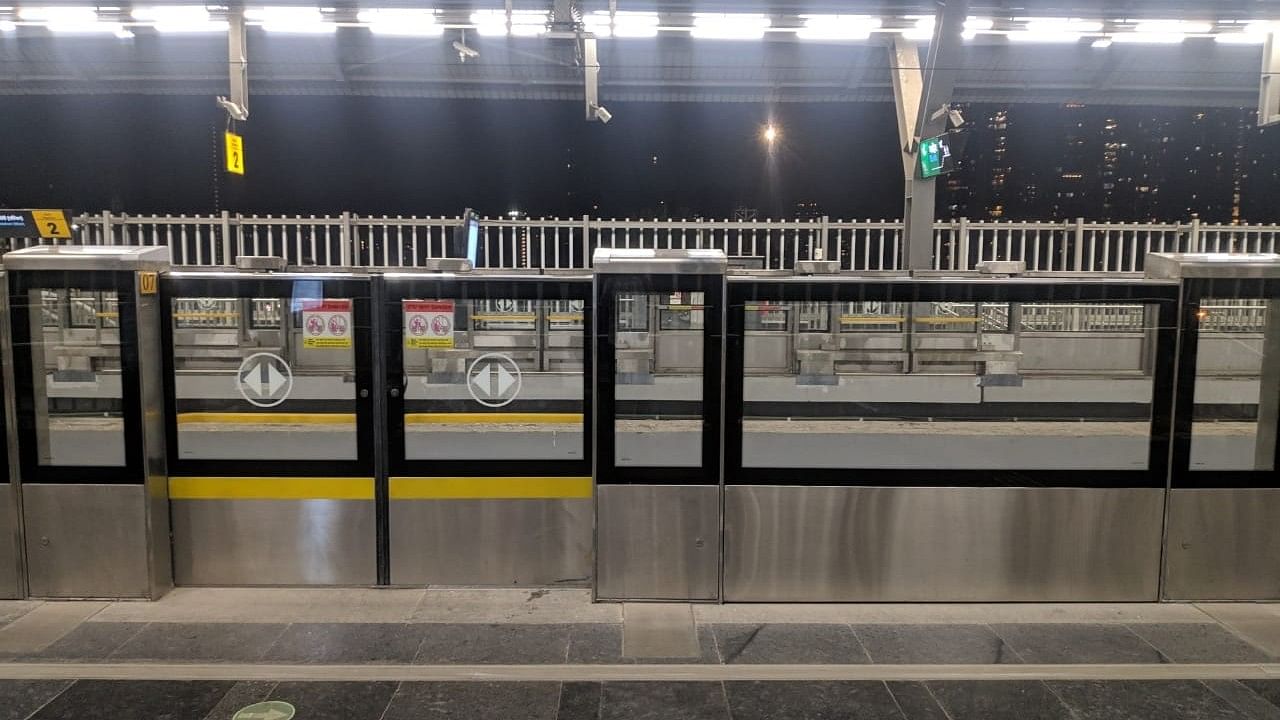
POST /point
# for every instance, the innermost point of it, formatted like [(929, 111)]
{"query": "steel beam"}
[(1269, 84), (920, 91), (237, 103)]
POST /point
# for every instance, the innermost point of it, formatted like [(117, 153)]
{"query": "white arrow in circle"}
[(505, 380), (269, 379), (483, 380)]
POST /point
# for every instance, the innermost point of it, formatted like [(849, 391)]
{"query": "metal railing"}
[(350, 240)]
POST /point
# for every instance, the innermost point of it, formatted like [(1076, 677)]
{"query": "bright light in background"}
[(635, 24), (922, 29), (1059, 30), (298, 20), (622, 24), (974, 25), (73, 20), (528, 23), (1103, 42), (490, 22), (729, 26), (1254, 33), (1163, 31), (770, 133), (415, 23), (8, 26), (179, 19), (837, 27)]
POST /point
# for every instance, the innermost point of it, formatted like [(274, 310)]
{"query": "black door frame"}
[(608, 287)]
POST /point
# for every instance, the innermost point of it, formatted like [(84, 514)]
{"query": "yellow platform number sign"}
[(51, 224), (235, 153), (148, 283)]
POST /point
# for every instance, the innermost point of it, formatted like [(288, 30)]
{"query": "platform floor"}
[(541, 653)]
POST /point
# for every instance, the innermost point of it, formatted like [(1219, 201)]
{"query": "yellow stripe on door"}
[(270, 488), (489, 488)]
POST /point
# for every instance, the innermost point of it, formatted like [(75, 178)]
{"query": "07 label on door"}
[(428, 324), (326, 325)]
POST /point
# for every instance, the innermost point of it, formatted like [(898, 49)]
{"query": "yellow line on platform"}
[(489, 488), (270, 488)]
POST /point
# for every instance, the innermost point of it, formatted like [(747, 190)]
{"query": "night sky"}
[(160, 154)]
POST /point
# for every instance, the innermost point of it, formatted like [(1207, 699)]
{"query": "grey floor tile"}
[(596, 644), (999, 700), (580, 701), (340, 643), (934, 644), (601, 644), (799, 643), (1135, 700), (916, 701), (501, 644), (200, 642), (241, 695), (336, 700), (1243, 699), (811, 701), (20, 698), (1199, 643), (474, 701), (663, 701), (89, 641), (152, 699), (1042, 643)]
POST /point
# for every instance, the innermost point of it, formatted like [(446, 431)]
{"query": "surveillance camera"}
[(465, 51), (601, 114)]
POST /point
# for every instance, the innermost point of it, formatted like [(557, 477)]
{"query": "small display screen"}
[(473, 240), (940, 155)]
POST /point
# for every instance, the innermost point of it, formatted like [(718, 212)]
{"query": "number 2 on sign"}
[(235, 153)]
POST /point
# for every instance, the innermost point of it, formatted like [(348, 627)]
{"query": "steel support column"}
[(919, 93), (237, 103)]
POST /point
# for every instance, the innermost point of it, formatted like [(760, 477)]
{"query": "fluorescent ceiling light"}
[(1068, 25), (1103, 42), (921, 30), (291, 20), (179, 19), (1041, 36), (490, 22), (529, 23), (599, 23), (82, 15), (1241, 38), (729, 26), (8, 26), (974, 25), (414, 23), (838, 27), (1173, 26), (635, 24)]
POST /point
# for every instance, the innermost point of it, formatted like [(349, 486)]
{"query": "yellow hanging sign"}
[(51, 224), (235, 153)]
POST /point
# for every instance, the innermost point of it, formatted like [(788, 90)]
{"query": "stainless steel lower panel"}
[(10, 563), (879, 544), (491, 542), (274, 542), (1223, 545), (657, 542), (86, 541)]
